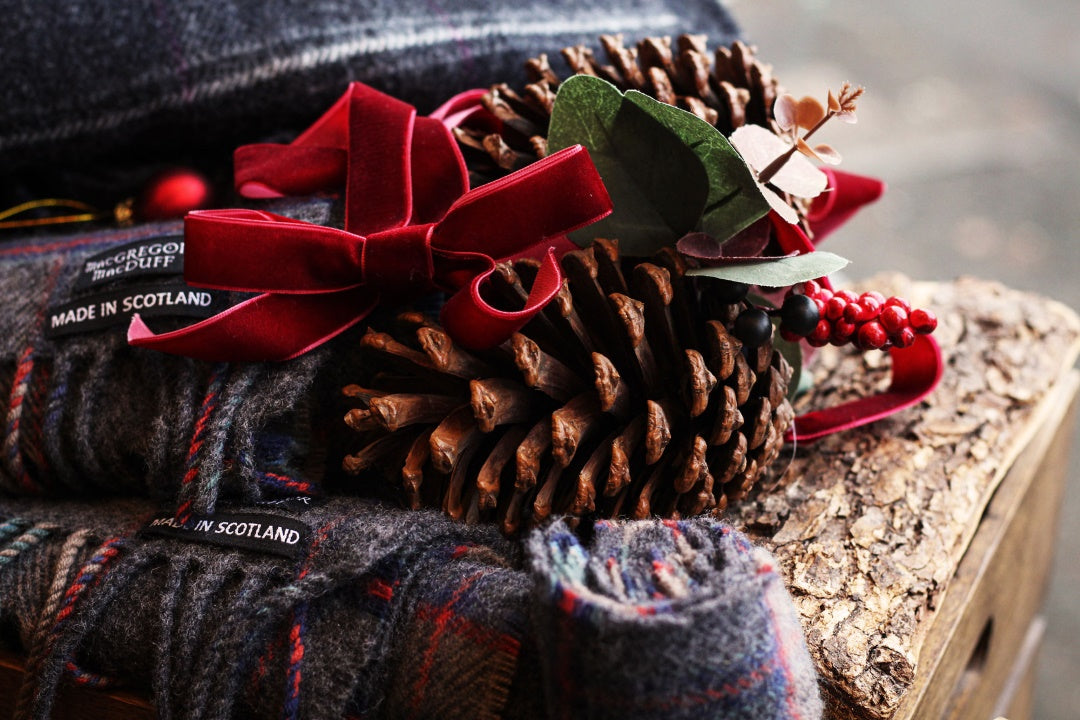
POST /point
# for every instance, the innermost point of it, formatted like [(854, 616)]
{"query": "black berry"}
[(753, 327), (799, 315)]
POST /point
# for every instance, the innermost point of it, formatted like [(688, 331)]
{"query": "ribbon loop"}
[(472, 322), (228, 250), (411, 226), (540, 209), (378, 191)]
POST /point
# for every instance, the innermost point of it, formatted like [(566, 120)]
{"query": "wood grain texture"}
[(871, 526)]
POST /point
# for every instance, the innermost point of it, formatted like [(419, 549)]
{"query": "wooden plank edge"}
[(942, 624), (1025, 663)]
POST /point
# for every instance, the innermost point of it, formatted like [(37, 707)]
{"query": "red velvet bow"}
[(410, 227)]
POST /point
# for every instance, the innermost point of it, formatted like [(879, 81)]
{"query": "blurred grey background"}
[(972, 115)]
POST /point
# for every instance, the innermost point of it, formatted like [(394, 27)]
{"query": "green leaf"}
[(777, 272), (657, 184), (734, 201)]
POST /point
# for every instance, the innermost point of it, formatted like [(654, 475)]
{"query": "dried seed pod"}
[(622, 398)]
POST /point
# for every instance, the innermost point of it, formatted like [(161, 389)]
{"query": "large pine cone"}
[(627, 396), (729, 89)]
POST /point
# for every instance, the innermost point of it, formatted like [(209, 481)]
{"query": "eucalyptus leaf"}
[(778, 272), (760, 146), (658, 185), (734, 201)]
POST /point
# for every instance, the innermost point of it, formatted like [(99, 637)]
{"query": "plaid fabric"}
[(708, 609), (175, 77), (397, 614), (86, 413), (457, 646)]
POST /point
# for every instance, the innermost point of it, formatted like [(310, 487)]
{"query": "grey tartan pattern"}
[(406, 615), (90, 76)]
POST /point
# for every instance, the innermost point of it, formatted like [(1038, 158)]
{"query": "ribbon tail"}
[(477, 325), (846, 195), (266, 327), (916, 371)]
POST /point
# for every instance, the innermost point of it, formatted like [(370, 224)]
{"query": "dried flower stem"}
[(775, 166), (844, 104)]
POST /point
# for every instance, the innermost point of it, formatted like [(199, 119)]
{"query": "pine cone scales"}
[(627, 396), (728, 90)]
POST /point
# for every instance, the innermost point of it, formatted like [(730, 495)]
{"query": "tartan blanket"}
[(391, 614), (86, 414), (102, 77)]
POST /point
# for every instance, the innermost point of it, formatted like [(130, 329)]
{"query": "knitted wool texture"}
[(87, 413), (396, 614), (101, 75)]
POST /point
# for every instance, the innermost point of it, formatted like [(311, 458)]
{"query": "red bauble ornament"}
[(173, 194)]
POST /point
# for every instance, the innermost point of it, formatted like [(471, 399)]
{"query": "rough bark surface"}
[(869, 525)]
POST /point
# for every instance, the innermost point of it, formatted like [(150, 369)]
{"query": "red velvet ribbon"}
[(410, 227), (916, 370), (845, 195)]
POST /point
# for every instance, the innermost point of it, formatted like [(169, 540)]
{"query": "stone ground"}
[(973, 117)]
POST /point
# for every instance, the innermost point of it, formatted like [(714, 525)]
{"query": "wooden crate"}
[(978, 658)]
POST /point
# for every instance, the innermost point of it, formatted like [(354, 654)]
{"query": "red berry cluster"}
[(869, 321)]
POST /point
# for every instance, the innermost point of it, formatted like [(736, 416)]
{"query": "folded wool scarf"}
[(392, 614), (85, 413), (92, 79)]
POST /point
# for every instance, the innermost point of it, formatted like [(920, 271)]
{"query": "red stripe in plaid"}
[(462, 627), (50, 247), (380, 588), (23, 433), (466, 666), (33, 428), (570, 604), (198, 437), (294, 674), (442, 620), (568, 601), (105, 237), (91, 573), (83, 677), (19, 388), (284, 482), (696, 698)]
